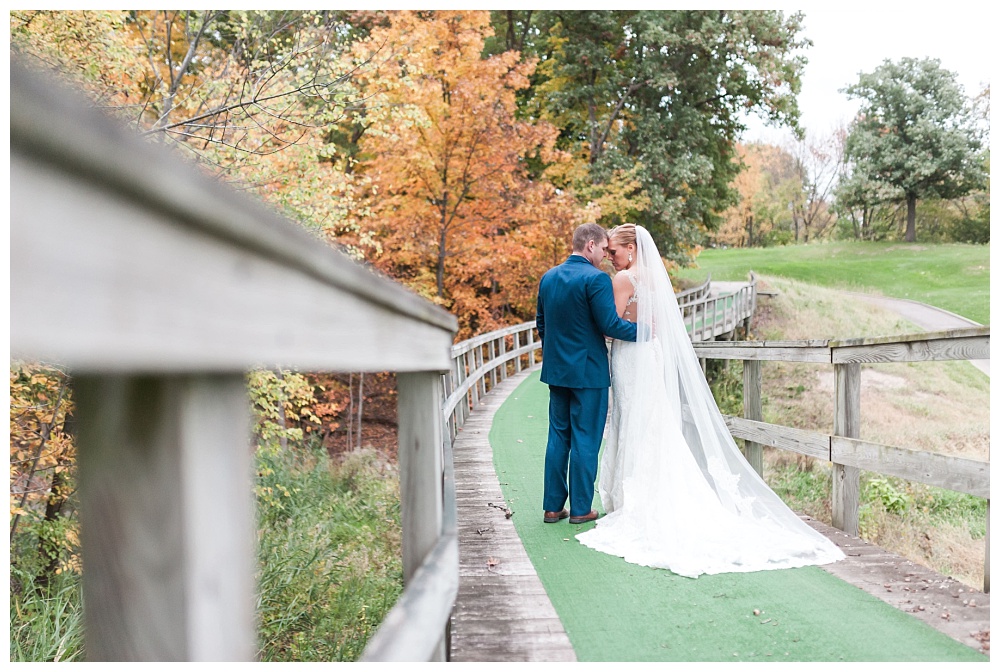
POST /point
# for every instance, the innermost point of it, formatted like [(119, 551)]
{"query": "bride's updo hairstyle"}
[(624, 234)]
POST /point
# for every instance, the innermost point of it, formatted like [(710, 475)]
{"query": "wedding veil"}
[(690, 402)]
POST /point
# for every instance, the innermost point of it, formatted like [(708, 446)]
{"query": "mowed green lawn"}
[(954, 277)]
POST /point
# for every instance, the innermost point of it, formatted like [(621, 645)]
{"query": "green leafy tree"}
[(916, 133), (658, 98)]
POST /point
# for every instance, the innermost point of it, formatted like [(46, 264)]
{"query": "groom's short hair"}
[(586, 233)]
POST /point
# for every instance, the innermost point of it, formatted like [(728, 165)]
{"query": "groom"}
[(575, 310)]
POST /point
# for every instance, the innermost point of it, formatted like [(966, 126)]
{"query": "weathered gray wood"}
[(413, 629), (846, 423), (531, 352), (943, 471), (973, 343), (420, 465), (784, 351), (166, 517), (795, 440), (96, 213), (160, 275), (502, 613), (753, 410), (501, 355)]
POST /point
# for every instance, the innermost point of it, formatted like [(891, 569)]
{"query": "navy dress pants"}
[(576, 428)]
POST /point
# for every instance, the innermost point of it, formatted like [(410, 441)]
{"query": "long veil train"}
[(678, 491)]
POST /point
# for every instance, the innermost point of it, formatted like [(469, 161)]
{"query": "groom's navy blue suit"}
[(575, 310)]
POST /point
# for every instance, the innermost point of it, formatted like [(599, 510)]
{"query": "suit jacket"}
[(574, 312)]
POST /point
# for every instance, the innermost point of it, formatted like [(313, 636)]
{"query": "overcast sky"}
[(860, 36)]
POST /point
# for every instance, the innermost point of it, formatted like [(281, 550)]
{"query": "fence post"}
[(166, 494), (846, 423), (476, 352), (753, 410), (421, 471), (503, 351), (463, 407), (517, 346), (493, 371), (531, 352)]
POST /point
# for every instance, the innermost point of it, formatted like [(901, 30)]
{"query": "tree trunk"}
[(911, 217), (442, 243), (53, 510)]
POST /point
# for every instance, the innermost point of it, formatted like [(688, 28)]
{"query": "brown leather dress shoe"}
[(576, 520), (555, 516)]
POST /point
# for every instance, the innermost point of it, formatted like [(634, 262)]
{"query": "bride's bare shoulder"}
[(623, 279)]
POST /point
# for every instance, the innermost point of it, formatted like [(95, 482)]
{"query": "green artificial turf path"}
[(616, 611)]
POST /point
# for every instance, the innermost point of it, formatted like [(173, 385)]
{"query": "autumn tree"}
[(915, 133), (455, 213)]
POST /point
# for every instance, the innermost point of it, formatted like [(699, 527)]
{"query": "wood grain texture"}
[(909, 349), (943, 471), (847, 423), (753, 409), (804, 442), (502, 613), (166, 518)]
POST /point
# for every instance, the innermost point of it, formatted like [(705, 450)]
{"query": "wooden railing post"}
[(477, 382), (531, 342), (503, 351), (167, 522), (517, 345), (421, 470), (753, 410), (846, 423), (493, 371)]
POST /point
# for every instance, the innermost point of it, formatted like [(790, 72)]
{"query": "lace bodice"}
[(630, 313)]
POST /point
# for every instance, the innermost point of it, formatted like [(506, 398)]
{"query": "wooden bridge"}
[(144, 278)]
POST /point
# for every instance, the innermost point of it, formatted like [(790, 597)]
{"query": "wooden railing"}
[(844, 448), (706, 318), (694, 294), (479, 363), (158, 288)]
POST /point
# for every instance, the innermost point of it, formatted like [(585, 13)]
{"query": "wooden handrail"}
[(843, 448), (146, 279)]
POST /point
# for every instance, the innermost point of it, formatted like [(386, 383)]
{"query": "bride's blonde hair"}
[(623, 233)]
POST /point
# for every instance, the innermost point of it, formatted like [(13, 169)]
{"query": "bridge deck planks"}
[(502, 613)]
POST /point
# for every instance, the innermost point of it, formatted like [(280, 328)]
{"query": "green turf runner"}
[(616, 611)]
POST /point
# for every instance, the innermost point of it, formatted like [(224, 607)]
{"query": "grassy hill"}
[(954, 277)]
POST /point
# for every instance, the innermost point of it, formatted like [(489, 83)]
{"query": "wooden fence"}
[(708, 317), (158, 289), (848, 453)]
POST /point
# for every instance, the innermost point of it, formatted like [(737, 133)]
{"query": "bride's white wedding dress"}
[(676, 488)]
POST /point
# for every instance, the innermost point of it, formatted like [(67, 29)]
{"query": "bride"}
[(677, 491)]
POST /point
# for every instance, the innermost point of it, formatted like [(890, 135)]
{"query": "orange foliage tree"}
[(455, 211)]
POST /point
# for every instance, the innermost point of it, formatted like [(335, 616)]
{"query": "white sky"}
[(858, 37)]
